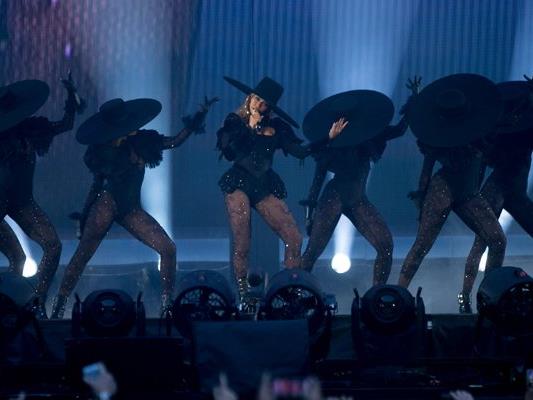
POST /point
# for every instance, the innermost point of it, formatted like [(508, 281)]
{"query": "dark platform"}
[(449, 359)]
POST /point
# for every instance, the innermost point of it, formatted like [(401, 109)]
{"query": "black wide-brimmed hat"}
[(269, 90), (368, 112), (117, 118), (455, 110), (518, 108), (21, 100)]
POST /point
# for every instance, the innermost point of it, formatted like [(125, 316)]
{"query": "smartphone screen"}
[(92, 371)]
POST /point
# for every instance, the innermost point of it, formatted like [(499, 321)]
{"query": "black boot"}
[(465, 307), (247, 303), (39, 309), (166, 305), (58, 307)]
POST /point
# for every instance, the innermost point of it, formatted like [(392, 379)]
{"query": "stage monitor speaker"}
[(244, 350)]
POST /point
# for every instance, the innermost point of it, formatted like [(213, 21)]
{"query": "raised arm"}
[(292, 145), (394, 131), (192, 124), (73, 104)]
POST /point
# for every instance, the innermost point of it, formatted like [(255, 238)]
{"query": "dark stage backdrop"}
[(178, 51)]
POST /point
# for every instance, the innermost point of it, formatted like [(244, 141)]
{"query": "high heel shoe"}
[(58, 307), (465, 307)]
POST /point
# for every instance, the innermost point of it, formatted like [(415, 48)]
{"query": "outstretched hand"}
[(337, 127), (196, 122), (76, 101), (208, 102), (414, 84)]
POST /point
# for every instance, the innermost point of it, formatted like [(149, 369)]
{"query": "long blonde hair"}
[(244, 109)]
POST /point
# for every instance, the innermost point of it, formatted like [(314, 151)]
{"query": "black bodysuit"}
[(345, 194), (115, 195), (251, 182), (454, 187), (19, 148)]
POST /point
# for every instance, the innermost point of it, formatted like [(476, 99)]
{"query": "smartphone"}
[(287, 388), (93, 371)]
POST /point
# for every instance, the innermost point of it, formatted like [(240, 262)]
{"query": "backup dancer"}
[(117, 155), (451, 117), (22, 139), (506, 188), (350, 162)]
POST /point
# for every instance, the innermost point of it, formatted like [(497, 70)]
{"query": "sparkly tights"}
[(276, 214), (475, 212), (11, 248), (366, 219), (517, 203), (35, 223), (138, 222)]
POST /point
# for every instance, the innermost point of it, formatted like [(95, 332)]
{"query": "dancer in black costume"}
[(117, 155), (506, 188), (346, 194), (12, 249), (249, 138), (451, 117), (22, 139)]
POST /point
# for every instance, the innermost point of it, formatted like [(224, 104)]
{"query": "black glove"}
[(196, 122), (74, 101)]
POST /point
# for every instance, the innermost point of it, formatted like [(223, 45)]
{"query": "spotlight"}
[(505, 297), (203, 295), (108, 313), (341, 263), (30, 268), (388, 323)]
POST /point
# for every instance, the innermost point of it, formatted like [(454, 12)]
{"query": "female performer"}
[(249, 137), (22, 139), (346, 194), (451, 117), (117, 155), (506, 187)]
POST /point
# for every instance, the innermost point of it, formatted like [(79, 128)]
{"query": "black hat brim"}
[(30, 95), (248, 90), (514, 92), (137, 113), (368, 113), (483, 109)]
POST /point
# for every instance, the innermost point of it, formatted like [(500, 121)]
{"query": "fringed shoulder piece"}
[(148, 144)]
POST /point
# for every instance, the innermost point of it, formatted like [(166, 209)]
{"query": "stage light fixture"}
[(203, 295), (505, 297), (295, 294), (388, 308), (388, 324), (108, 313)]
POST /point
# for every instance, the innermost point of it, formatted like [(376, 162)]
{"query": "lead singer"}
[(249, 137)]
